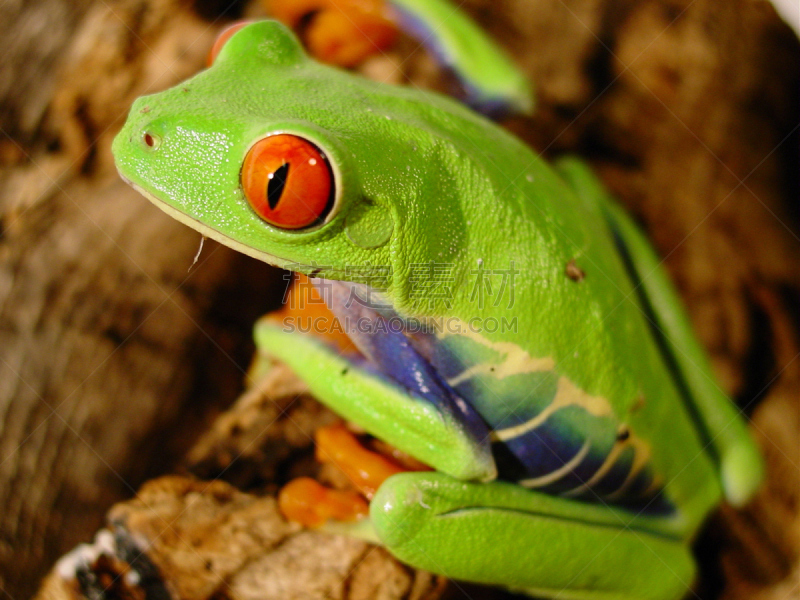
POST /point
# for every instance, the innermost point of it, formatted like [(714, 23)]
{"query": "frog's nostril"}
[(151, 140)]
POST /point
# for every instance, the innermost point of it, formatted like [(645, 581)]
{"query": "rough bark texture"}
[(113, 356), (111, 350), (206, 539)]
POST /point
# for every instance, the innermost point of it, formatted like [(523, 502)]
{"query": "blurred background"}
[(117, 353)]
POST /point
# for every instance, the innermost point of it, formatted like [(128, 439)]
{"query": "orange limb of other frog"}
[(339, 32), (304, 311), (223, 37), (311, 504), (365, 469)]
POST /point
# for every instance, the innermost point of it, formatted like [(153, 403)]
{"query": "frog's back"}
[(557, 351)]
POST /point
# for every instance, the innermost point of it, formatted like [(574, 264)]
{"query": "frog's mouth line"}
[(212, 233)]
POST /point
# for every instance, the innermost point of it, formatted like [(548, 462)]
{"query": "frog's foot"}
[(311, 504), (365, 469), (394, 394), (544, 545), (343, 33)]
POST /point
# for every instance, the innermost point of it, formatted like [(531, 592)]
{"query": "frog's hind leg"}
[(725, 431), (498, 533)]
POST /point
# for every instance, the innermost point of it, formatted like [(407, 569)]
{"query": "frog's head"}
[(298, 164)]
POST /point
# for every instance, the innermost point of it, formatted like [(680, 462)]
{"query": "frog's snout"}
[(139, 137), (146, 135), (141, 127)]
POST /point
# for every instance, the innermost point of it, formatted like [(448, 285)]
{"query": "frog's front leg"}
[(499, 533), (428, 428)]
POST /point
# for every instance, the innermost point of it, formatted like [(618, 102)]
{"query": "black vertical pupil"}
[(276, 184)]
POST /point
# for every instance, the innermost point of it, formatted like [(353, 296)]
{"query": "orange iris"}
[(287, 181)]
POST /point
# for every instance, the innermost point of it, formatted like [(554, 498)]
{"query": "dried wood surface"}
[(114, 358)]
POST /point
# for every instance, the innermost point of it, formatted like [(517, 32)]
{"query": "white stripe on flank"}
[(567, 394), (568, 467), (612, 457), (516, 361), (641, 458), (655, 485)]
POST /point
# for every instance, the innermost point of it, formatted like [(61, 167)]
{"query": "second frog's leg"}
[(492, 83)]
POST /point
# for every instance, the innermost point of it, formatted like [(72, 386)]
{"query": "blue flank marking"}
[(515, 400), (614, 479), (553, 444), (400, 361)]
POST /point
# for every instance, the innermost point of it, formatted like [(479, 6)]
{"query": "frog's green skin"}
[(602, 370)]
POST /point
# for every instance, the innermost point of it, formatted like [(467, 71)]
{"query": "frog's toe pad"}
[(742, 473), (394, 510)]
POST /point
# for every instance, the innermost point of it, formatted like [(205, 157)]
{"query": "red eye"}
[(287, 181), (223, 37)]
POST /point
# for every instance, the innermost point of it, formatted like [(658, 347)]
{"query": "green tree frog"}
[(515, 330)]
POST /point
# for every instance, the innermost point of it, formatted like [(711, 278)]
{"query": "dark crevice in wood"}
[(214, 10), (760, 362)]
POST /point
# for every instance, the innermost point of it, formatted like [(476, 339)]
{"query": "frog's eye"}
[(222, 38), (288, 181)]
